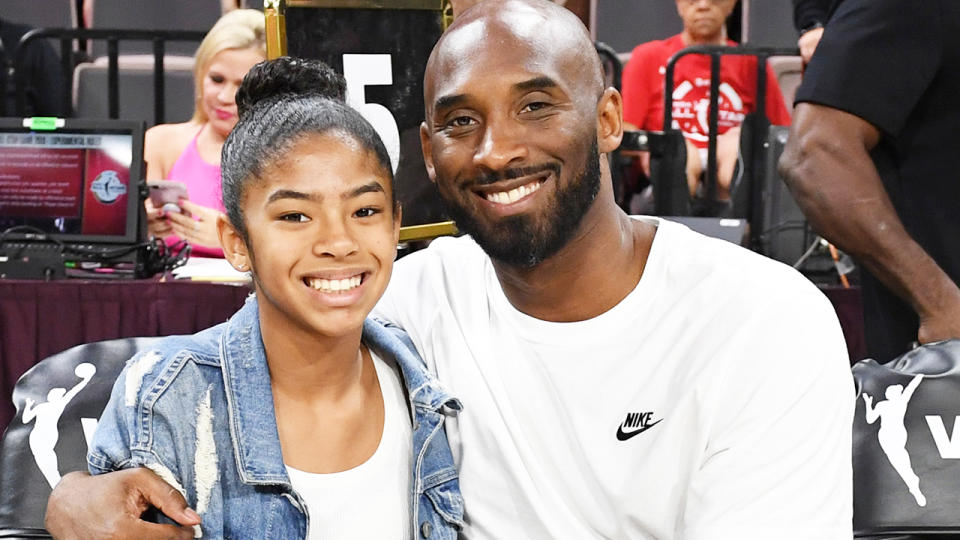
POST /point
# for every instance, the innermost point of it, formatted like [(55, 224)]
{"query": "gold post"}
[(276, 27), (428, 231)]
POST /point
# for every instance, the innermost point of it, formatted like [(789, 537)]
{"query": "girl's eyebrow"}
[(370, 187)]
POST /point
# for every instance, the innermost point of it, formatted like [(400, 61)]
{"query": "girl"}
[(293, 419)]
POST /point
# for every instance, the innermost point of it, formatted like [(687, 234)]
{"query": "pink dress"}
[(203, 186)]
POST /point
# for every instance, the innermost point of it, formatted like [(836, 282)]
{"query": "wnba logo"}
[(107, 187)]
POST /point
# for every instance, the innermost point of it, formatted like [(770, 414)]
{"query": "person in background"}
[(643, 86), (873, 159), (46, 90), (189, 152)]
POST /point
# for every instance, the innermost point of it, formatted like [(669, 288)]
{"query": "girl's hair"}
[(280, 102), (238, 29)]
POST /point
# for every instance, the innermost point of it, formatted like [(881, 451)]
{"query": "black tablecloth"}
[(38, 319)]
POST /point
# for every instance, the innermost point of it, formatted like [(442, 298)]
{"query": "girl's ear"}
[(234, 246)]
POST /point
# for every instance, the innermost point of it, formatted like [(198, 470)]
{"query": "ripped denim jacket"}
[(198, 410)]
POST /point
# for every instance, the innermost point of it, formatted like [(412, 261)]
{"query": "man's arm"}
[(110, 505), (827, 167)]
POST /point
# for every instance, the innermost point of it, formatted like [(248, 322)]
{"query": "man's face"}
[(704, 19), (511, 141)]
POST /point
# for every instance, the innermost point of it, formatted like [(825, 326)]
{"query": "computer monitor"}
[(74, 180)]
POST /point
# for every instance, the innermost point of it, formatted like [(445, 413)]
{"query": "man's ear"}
[(234, 247), (609, 121), (427, 149)]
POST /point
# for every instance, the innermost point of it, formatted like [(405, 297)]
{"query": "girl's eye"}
[(295, 217), (366, 212), (216, 78)]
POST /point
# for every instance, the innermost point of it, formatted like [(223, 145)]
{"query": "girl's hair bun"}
[(291, 77)]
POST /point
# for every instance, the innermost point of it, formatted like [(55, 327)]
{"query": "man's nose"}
[(503, 142)]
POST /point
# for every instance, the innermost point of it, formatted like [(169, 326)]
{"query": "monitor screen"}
[(79, 182)]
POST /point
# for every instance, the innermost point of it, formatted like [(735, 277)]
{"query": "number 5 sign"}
[(361, 70), (382, 53)]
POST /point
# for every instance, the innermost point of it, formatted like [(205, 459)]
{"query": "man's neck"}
[(597, 269)]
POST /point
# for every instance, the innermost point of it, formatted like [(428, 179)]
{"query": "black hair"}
[(281, 101)]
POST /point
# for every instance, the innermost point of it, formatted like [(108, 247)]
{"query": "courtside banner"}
[(906, 449)]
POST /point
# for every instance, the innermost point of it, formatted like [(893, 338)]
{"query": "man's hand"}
[(808, 44), (941, 325), (110, 506)]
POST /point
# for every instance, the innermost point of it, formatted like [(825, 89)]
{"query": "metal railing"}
[(113, 37), (757, 132)]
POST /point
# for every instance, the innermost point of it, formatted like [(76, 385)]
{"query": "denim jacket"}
[(198, 411)]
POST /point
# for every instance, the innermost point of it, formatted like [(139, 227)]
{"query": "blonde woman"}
[(190, 152)]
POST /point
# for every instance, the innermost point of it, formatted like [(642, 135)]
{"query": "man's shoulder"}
[(730, 269), (443, 255)]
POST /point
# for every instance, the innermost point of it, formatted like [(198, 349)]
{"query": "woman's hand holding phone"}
[(197, 225)]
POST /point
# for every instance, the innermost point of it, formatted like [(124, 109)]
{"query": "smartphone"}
[(166, 194)]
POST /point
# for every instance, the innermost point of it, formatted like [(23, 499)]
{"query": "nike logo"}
[(636, 423)]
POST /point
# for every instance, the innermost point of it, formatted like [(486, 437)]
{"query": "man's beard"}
[(527, 240)]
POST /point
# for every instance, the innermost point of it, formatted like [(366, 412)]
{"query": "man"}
[(873, 160), (704, 23), (620, 378)]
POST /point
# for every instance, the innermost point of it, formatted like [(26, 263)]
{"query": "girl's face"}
[(220, 83), (322, 236)]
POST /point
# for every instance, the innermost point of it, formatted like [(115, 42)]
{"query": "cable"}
[(806, 255)]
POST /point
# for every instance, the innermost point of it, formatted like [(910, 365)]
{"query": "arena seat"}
[(789, 72), (153, 15), (906, 447), (46, 14), (136, 89), (58, 403)]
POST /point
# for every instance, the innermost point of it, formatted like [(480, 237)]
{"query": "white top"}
[(714, 401), (371, 500)]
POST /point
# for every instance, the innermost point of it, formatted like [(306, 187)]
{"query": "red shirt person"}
[(643, 84)]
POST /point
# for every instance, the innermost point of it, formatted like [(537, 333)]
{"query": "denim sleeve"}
[(120, 441)]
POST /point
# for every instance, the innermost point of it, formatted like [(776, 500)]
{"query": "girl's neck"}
[(307, 366)]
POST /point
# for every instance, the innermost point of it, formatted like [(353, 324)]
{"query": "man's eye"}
[(366, 212), (535, 106), (295, 217), (460, 121)]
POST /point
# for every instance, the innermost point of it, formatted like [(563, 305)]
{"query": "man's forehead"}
[(530, 42)]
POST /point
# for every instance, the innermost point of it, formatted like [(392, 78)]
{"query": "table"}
[(39, 319)]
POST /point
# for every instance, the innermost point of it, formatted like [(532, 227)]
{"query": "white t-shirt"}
[(725, 372), (372, 500)]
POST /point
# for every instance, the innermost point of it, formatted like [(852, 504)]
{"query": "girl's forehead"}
[(327, 163)]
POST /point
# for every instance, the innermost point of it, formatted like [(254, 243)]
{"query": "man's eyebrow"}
[(445, 102), (372, 187), (538, 83)]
